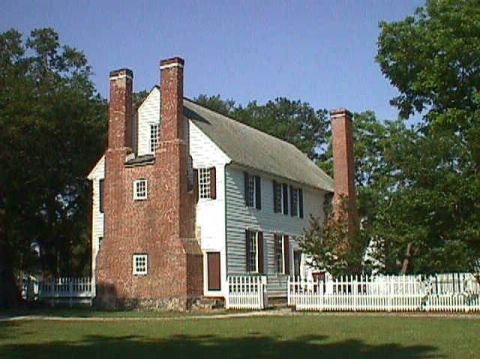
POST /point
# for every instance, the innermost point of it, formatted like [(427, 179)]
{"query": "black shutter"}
[(300, 201), (101, 193), (195, 184), (258, 193), (286, 253), (285, 199), (213, 183), (260, 253), (293, 210), (247, 251), (247, 189)]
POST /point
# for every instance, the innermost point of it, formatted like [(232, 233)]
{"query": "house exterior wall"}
[(210, 212), (98, 220), (240, 217), (148, 113)]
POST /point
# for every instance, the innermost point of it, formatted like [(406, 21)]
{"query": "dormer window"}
[(154, 138), (140, 189)]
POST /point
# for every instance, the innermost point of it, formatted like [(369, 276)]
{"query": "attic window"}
[(140, 189), (154, 129)]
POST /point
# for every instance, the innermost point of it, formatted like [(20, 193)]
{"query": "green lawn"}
[(309, 336)]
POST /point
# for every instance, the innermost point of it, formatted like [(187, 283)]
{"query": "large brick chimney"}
[(160, 226), (345, 197)]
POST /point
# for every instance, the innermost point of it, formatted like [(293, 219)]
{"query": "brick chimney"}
[(172, 99), (345, 197), (120, 113)]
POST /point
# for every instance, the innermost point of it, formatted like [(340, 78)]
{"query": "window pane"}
[(252, 238), (204, 182)]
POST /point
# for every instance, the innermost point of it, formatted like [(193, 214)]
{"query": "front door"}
[(213, 264)]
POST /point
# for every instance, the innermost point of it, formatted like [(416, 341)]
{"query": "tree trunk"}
[(407, 265), (9, 293)]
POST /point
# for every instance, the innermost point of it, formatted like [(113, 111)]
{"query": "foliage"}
[(331, 247), (433, 199), (52, 130), (293, 121)]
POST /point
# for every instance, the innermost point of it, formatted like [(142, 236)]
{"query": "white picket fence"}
[(246, 292), (442, 292), (64, 289)]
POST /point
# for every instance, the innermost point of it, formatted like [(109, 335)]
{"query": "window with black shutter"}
[(101, 190), (253, 191)]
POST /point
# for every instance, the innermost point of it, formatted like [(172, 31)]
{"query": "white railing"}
[(64, 288), (445, 292), (246, 292)]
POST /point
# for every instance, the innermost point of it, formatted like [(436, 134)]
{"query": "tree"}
[(432, 59), (331, 247), (52, 130)]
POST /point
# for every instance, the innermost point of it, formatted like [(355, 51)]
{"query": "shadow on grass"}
[(252, 345)]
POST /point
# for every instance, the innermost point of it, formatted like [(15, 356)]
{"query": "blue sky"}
[(321, 52)]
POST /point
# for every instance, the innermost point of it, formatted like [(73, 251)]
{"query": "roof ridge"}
[(243, 124)]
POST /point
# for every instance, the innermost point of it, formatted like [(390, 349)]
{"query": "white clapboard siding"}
[(210, 213), (240, 217), (148, 113), (98, 218), (246, 292), (444, 292)]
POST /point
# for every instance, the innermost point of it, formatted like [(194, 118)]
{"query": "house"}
[(185, 197)]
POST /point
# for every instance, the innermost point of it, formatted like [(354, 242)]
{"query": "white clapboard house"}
[(256, 194)]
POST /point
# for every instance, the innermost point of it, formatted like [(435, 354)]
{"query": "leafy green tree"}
[(432, 59), (52, 130)]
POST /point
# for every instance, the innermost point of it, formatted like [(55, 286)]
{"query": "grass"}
[(316, 336)]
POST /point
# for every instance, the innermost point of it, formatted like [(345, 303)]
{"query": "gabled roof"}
[(250, 147)]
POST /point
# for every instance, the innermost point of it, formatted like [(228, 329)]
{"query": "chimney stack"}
[(120, 112), (171, 73), (345, 198)]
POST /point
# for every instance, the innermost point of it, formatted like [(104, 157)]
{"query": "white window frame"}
[(138, 194), (253, 189), (140, 269), (154, 140), (204, 183), (256, 251)]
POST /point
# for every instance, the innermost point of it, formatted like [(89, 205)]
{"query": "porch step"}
[(277, 301), (208, 304)]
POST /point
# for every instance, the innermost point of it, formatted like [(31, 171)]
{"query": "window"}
[(277, 197), (293, 201), (254, 251), (101, 191), (154, 137), (140, 264), (100, 241), (278, 253), (253, 197), (207, 183), (140, 189), (296, 202)]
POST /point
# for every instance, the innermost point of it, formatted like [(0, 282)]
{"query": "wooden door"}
[(213, 264)]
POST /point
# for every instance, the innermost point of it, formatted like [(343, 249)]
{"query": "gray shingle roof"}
[(253, 148)]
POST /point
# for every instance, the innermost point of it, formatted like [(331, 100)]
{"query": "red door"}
[(213, 263)]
